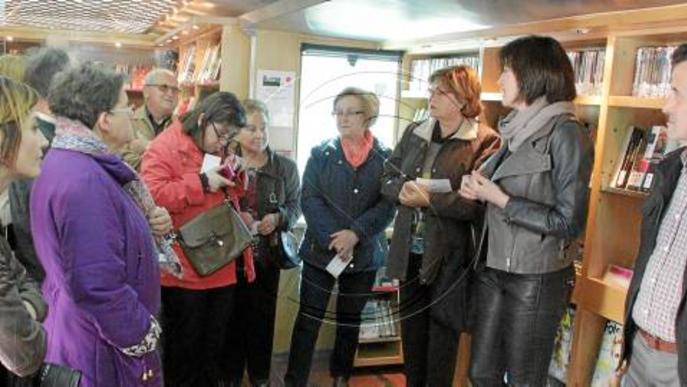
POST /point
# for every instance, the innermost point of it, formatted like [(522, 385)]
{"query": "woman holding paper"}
[(346, 217), (535, 188), (181, 167), (432, 243)]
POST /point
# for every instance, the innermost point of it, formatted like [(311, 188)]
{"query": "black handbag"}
[(54, 375), (214, 238), (284, 250)]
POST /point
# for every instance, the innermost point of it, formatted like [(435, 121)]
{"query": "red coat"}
[(171, 167)]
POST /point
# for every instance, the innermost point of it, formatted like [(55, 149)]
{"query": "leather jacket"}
[(547, 179)]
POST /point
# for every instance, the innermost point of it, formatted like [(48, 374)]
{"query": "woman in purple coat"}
[(90, 218)]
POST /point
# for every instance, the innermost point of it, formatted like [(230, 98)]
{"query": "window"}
[(325, 71)]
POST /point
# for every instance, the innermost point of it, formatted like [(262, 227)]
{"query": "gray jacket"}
[(547, 180), (22, 338)]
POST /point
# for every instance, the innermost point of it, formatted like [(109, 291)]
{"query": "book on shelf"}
[(608, 357), (588, 66), (135, 74), (421, 69), (661, 147), (421, 114), (618, 276), (633, 144), (560, 358), (652, 71), (187, 65), (377, 320)]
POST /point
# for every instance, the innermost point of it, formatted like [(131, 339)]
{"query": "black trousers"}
[(251, 332), (515, 325), (194, 324), (316, 287), (429, 348)]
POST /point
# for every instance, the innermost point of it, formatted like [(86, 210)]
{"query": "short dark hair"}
[(679, 55), (84, 92), (541, 68), (221, 107), (41, 67)]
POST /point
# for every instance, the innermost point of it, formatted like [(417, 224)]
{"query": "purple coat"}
[(102, 280)]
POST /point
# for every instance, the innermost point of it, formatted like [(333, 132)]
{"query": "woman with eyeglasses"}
[(271, 205), (432, 245), (95, 239), (196, 309), (346, 218), (22, 338)]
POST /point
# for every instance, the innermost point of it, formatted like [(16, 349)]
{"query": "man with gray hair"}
[(41, 67), (160, 96)]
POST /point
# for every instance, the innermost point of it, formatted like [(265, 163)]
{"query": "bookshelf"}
[(614, 215), (380, 342)]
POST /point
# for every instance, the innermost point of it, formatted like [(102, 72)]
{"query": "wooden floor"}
[(319, 375)]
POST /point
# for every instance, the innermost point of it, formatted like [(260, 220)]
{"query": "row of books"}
[(207, 71), (652, 71), (421, 69), (607, 359), (421, 114), (643, 149), (588, 66), (378, 320), (135, 74)]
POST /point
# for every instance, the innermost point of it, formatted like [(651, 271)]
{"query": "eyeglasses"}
[(165, 88), (128, 111), (224, 138), (436, 91), (338, 114)]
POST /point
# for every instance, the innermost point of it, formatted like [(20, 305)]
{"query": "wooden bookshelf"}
[(614, 215), (383, 350)]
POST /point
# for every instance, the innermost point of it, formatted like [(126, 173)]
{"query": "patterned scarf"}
[(75, 136)]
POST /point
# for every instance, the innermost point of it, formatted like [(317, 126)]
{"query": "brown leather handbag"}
[(214, 238)]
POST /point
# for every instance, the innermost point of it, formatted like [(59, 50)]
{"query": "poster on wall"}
[(276, 90)]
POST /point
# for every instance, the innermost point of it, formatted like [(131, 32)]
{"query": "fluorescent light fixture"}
[(361, 19)]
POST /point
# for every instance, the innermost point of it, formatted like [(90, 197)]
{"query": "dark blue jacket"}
[(336, 197)]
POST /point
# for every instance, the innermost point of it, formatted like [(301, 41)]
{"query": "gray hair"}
[(84, 92), (368, 98), (151, 77), (253, 105), (41, 67)]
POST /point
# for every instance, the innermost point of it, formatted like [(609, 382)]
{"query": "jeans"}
[(515, 325), (316, 287)]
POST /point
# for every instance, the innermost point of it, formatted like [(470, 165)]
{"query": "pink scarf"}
[(356, 152)]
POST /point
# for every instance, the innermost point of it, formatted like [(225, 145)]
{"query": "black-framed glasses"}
[(224, 138), (165, 88)]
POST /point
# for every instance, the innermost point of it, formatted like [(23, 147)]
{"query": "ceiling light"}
[(9, 38), (195, 27), (175, 37), (184, 32), (118, 45)]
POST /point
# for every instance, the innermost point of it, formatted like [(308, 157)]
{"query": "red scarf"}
[(356, 152)]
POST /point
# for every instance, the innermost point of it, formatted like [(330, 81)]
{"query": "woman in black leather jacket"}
[(270, 205), (22, 338), (536, 188)]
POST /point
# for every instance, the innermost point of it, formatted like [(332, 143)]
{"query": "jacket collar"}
[(466, 132)]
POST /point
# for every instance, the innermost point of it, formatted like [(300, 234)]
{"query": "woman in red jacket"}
[(195, 309)]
